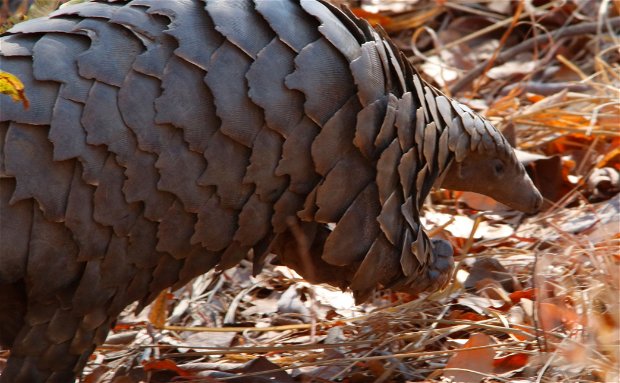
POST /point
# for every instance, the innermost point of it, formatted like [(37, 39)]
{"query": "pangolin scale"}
[(165, 138)]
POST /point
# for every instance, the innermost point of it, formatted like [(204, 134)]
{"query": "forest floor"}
[(533, 298)]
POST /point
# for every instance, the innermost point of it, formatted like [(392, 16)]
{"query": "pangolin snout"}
[(536, 202), (522, 195), (531, 199)]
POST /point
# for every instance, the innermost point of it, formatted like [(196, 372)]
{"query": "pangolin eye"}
[(499, 168)]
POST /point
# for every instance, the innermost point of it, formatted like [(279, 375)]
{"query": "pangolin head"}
[(485, 163)]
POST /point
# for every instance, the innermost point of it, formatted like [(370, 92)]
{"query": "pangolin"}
[(165, 138)]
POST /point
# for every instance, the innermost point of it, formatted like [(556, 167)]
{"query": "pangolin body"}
[(165, 138)]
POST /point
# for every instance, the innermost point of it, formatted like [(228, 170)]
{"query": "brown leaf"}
[(554, 316), (466, 315), (489, 268), (372, 18), (376, 367), (262, 364), (481, 202), (516, 296), (550, 175), (158, 313), (96, 375), (166, 365), (478, 362), (510, 362)]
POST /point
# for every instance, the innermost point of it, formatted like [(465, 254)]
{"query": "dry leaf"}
[(466, 315), (480, 304), (489, 268), (526, 293), (510, 363), (604, 182), (478, 362), (372, 17), (436, 68), (262, 364), (554, 316), (481, 202), (523, 65), (165, 365), (12, 86), (158, 313), (209, 339)]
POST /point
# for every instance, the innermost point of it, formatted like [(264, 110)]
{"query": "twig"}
[(475, 11), (574, 30), (470, 240), (502, 41), (370, 358), (546, 89), (477, 34)]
